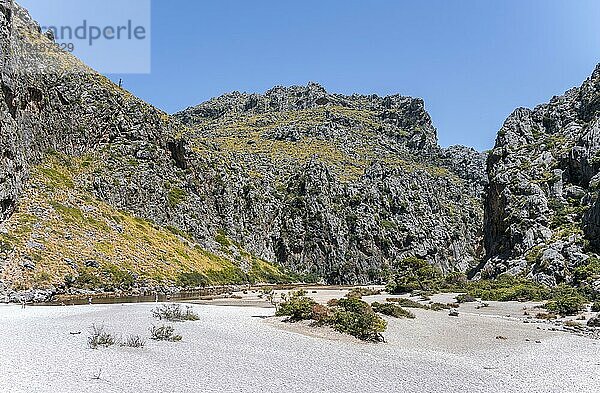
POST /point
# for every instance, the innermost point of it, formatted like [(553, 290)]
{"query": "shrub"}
[(192, 280), (588, 272), (507, 288), (174, 313), (321, 314), (392, 310), (175, 196), (594, 322), (333, 302), (164, 333), (440, 306), (99, 337), (414, 274), (408, 303), (120, 278), (222, 239), (456, 278), (133, 342), (357, 318), (297, 306), (353, 305), (566, 305), (547, 316), (360, 292), (596, 307), (465, 298)]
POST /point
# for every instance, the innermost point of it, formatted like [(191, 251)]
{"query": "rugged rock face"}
[(542, 209), (340, 186), (52, 101), (402, 120), (331, 186)]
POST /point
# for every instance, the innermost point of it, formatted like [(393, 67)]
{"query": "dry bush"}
[(164, 333), (99, 337), (174, 313), (134, 341)]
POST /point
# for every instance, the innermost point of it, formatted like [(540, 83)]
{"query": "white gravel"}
[(232, 349)]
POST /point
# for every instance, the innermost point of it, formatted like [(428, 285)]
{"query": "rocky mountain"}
[(340, 186), (542, 209), (100, 190)]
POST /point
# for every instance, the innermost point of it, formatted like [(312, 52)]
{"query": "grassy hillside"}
[(62, 236), (348, 140)]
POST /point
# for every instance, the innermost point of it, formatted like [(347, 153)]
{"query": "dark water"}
[(201, 294)]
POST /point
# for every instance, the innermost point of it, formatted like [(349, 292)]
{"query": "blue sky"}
[(472, 61)]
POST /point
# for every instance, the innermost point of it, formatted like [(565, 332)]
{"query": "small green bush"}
[(360, 292), (133, 342), (455, 278), (566, 305), (87, 279), (596, 307), (546, 316), (321, 314), (297, 306), (465, 298), (392, 310), (440, 306), (587, 272), (412, 274), (357, 318), (164, 333), (119, 278), (176, 196), (222, 239), (594, 322), (192, 280), (353, 305)]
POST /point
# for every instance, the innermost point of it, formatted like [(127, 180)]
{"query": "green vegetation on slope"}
[(300, 135), (62, 236)]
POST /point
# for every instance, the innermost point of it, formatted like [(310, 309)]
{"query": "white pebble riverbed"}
[(235, 349)]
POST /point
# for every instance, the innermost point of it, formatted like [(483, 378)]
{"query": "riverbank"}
[(248, 349)]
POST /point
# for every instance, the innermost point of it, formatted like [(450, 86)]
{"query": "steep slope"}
[(61, 238), (542, 209), (50, 100)]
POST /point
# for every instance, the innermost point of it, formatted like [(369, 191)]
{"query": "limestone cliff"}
[(542, 210)]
